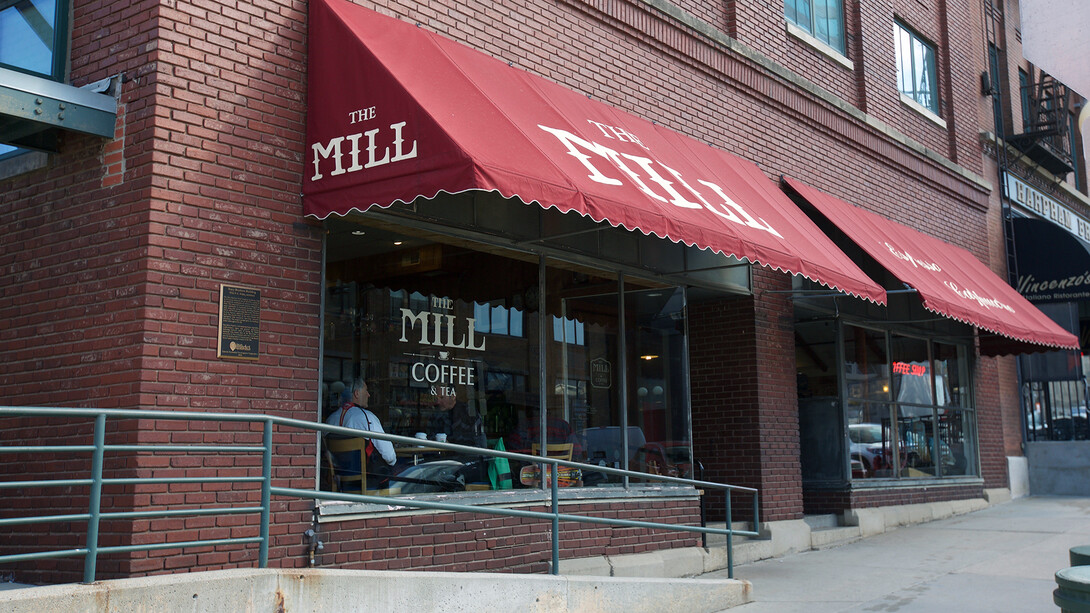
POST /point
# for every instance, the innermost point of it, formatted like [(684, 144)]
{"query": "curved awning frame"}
[(951, 281), (417, 115)]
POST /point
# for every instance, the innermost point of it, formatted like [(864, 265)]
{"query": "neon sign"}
[(907, 368)]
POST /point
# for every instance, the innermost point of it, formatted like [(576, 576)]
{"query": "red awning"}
[(949, 279), (396, 112)]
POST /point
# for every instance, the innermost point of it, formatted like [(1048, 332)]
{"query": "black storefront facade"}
[(1052, 256)]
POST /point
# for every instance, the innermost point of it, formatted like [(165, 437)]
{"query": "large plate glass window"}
[(916, 74), (468, 343), (903, 402), (866, 375), (34, 37), (822, 19)]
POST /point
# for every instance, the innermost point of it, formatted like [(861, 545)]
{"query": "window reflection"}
[(905, 405), (916, 68), (27, 35), (450, 353)]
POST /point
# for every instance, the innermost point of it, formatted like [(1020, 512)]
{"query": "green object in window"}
[(499, 470)]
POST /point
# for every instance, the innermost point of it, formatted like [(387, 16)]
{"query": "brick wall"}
[(114, 254), (458, 542), (823, 502), (744, 398)]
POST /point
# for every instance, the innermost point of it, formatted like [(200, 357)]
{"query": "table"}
[(415, 451)]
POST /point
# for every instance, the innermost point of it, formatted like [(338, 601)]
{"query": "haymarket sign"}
[(1048, 208)]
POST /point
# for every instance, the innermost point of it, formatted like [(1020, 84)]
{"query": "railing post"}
[(703, 513), (94, 502), (266, 494), (730, 539), (556, 517), (756, 513)]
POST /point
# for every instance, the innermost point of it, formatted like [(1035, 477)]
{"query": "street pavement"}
[(1000, 559)]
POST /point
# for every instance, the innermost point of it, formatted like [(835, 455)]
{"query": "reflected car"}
[(1063, 428), (870, 447)]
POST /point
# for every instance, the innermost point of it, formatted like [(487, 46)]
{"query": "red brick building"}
[(651, 351)]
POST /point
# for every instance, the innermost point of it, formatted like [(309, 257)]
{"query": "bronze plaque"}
[(240, 322)]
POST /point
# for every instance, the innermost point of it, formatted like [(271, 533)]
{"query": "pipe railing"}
[(94, 515)]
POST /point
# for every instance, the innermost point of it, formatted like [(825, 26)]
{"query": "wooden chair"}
[(559, 451), (354, 483)]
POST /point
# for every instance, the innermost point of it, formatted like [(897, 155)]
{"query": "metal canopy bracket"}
[(33, 110)]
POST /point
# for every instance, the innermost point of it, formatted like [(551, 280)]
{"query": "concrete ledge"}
[(321, 590), (788, 536), (597, 566), (687, 562), (649, 564), (872, 521), (831, 537), (998, 495)]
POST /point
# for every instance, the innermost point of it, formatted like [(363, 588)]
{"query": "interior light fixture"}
[(397, 243), (358, 232), (649, 357)]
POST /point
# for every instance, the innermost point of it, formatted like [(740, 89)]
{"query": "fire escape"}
[(1046, 138)]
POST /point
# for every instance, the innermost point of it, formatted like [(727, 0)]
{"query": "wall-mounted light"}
[(649, 357)]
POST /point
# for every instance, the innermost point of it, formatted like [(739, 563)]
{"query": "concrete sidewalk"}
[(1000, 559)]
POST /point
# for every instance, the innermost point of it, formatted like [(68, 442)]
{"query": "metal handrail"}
[(96, 481)]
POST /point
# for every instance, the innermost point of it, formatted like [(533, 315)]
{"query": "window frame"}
[(916, 41), (966, 409), (60, 47), (1076, 159), (838, 42), (1025, 96)]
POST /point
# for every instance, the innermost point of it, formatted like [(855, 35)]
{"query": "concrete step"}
[(821, 522), (831, 537), (720, 540)]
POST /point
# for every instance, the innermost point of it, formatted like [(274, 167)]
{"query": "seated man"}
[(464, 428), (354, 414)]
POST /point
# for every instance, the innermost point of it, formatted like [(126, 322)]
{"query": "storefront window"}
[(658, 396), (957, 432), (906, 405), (915, 422), (867, 382), (464, 343)]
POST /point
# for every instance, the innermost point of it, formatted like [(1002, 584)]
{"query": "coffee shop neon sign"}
[(908, 368)]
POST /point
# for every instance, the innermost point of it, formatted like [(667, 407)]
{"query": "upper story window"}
[(822, 19), (1027, 103), (916, 68), (1076, 161), (33, 37)]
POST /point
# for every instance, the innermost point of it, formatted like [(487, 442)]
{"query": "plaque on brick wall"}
[(240, 322)]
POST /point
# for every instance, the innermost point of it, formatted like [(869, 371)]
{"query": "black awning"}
[(1053, 264)]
